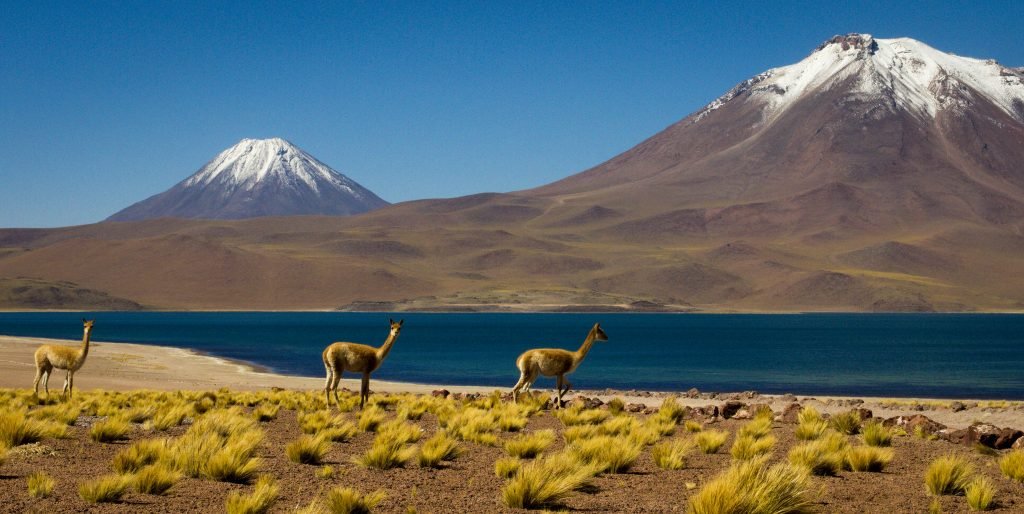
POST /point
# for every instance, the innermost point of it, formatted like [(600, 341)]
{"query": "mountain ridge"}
[(846, 199)]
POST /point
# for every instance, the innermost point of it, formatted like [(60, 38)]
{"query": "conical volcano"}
[(258, 177)]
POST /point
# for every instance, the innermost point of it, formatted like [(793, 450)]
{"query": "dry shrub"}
[(753, 487), (528, 446), (260, 500), (545, 481), (948, 474)]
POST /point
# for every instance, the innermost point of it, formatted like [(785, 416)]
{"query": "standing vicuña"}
[(50, 356), (341, 357), (553, 362)]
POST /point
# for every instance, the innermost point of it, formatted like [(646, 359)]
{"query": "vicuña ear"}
[(83, 320), (400, 322), (391, 321)]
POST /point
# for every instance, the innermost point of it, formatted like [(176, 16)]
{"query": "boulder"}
[(730, 408), (992, 436), (910, 424), (953, 436), (635, 407), (1019, 445), (743, 413), (865, 414), (791, 413), (693, 393), (957, 406), (788, 398), (440, 393), (587, 403)]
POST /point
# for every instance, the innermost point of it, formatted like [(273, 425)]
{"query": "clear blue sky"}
[(104, 104)]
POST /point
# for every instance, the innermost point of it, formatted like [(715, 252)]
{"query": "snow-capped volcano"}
[(915, 76), (898, 130), (258, 177)]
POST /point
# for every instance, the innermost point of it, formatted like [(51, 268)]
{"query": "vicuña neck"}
[(587, 343), (85, 344), (386, 347)]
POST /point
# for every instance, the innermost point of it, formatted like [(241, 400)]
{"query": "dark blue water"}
[(927, 355)]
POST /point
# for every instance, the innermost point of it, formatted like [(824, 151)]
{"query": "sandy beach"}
[(124, 366)]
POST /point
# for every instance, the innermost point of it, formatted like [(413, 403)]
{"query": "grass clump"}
[(388, 451), (874, 434), (528, 446), (260, 500), (401, 431), (810, 430), (16, 429), (577, 415), (307, 449), (440, 447), (139, 414), (341, 432), (671, 410), (344, 500), (980, 493), (156, 479), (40, 485), (235, 462), (868, 458), (607, 453), (506, 467), (326, 472), (109, 430), (371, 418), (265, 413), (822, 457), (545, 481), (753, 487), (808, 414), (757, 428), (169, 418), (846, 422), (616, 406), (105, 489), (747, 447), (710, 441), (949, 474), (671, 454), (474, 425), (692, 426), (140, 455), (1012, 465)]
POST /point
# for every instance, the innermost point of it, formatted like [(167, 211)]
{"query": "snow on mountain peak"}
[(252, 161), (917, 77)]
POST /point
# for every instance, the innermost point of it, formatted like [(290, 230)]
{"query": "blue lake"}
[(927, 355)]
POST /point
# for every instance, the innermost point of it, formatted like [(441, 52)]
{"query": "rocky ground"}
[(469, 484)]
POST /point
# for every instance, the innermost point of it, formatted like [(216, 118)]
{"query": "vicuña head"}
[(360, 358), (553, 362), (50, 356)]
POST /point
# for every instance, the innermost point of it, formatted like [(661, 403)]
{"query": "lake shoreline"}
[(126, 366)]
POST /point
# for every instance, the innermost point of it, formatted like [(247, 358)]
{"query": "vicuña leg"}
[(71, 384), (35, 383), (558, 384), (516, 389), (364, 390), (328, 383), (46, 381)]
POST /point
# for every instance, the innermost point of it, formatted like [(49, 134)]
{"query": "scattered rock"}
[(991, 436), (865, 414), (587, 403), (693, 393), (791, 413), (742, 414), (707, 411), (440, 393), (1019, 445), (649, 410), (635, 407), (953, 436), (910, 424), (730, 408), (751, 394), (957, 406), (788, 398)]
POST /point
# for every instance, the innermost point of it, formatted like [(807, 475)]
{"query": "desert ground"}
[(139, 410)]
